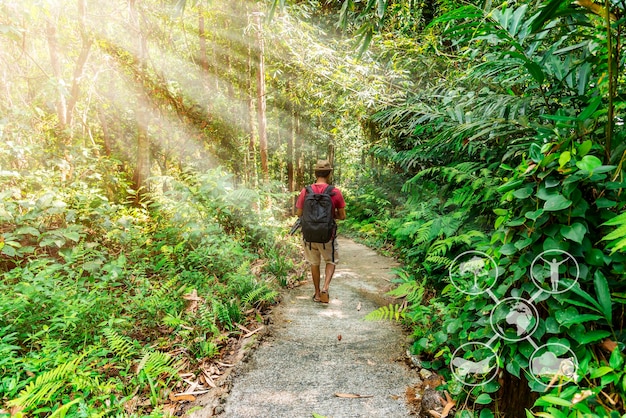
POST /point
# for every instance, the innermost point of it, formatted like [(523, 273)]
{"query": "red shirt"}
[(336, 198)]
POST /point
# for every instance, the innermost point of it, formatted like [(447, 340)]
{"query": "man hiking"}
[(318, 206)]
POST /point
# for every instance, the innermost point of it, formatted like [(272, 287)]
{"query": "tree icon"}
[(475, 266)]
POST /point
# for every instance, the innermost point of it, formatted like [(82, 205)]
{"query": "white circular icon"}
[(551, 271), (473, 272), (553, 365), (476, 367), (514, 319)]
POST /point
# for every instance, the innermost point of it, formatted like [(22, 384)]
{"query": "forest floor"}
[(325, 359)]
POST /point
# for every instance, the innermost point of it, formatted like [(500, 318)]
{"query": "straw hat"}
[(323, 165)]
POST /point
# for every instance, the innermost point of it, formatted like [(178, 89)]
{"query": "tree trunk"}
[(290, 142), (514, 396), (53, 49), (261, 104), (331, 154), (142, 165), (251, 156), (80, 63), (299, 152), (106, 136)]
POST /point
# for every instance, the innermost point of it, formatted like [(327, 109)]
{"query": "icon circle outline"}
[(553, 384), (527, 303), (536, 281), (481, 291), (496, 368)]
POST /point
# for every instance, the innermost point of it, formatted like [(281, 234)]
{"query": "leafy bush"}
[(101, 294)]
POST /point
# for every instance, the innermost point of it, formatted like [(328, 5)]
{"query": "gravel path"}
[(315, 351)]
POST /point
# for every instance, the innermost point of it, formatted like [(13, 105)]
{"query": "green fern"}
[(442, 247), (438, 261), (121, 345), (261, 294), (227, 314), (155, 363), (617, 236), (47, 385), (391, 312)]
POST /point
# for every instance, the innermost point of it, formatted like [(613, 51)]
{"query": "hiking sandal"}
[(324, 297)]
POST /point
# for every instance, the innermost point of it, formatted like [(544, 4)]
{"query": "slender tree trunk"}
[(53, 49), (80, 63), (299, 152), (515, 396), (331, 153), (106, 135), (252, 170), (142, 166), (290, 142), (612, 83), (261, 104)]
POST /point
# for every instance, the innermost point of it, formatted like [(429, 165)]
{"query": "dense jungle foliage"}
[(151, 151)]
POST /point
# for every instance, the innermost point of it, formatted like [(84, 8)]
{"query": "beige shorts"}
[(315, 251)]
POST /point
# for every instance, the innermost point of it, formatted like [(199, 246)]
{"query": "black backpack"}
[(318, 222)]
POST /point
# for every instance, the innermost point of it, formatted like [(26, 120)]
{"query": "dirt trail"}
[(297, 370)]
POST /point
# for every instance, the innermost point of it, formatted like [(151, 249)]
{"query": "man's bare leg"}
[(315, 274), (330, 270)]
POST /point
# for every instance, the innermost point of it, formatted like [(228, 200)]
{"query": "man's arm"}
[(299, 212), (340, 213)]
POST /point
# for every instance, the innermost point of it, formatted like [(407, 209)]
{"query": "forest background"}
[(151, 150)]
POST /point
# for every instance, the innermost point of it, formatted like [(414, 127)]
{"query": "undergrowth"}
[(104, 302)]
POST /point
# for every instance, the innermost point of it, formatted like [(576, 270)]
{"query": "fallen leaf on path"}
[(339, 337), (358, 307), (447, 408), (181, 397), (352, 395)]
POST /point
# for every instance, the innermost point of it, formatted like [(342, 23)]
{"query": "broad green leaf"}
[(589, 110), (616, 360), (508, 249), (486, 413), (548, 400), (8, 250), (510, 185), (603, 294), (556, 202), (537, 73), (72, 236), (595, 257), (523, 193), (593, 336), (584, 148), (564, 158), (483, 399), (589, 163), (27, 230), (534, 214), (534, 152), (523, 243), (603, 202), (576, 232), (600, 371), (571, 316)]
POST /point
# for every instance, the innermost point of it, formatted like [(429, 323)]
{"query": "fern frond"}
[(438, 260), (223, 315), (156, 363), (46, 386), (121, 345), (391, 312)]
